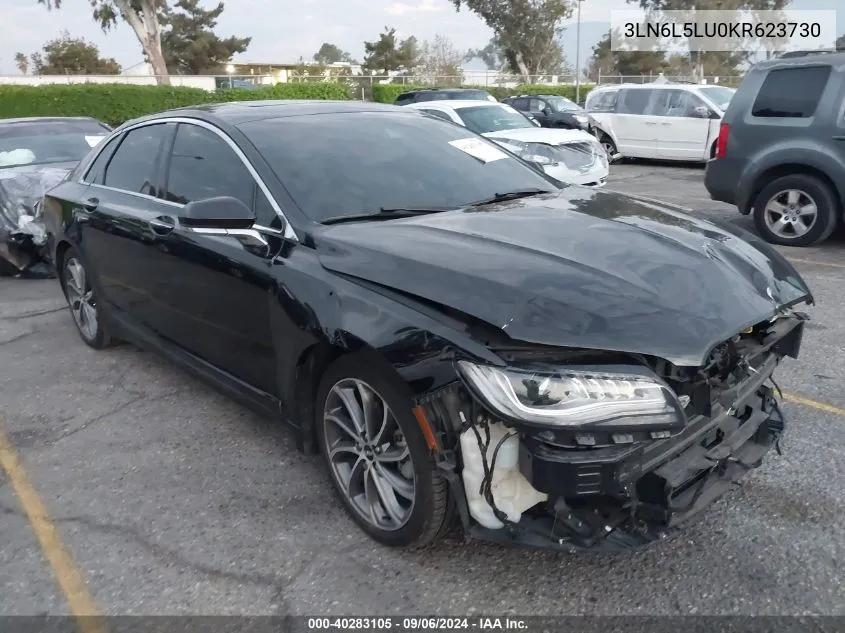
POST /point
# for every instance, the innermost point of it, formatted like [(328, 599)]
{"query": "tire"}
[(609, 147), (794, 193), (419, 517), (82, 301)]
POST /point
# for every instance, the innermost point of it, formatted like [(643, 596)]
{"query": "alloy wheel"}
[(80, 298), (790, 214), (368, 454)]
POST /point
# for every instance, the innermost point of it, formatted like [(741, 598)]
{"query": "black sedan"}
[(36, 153), (554, 111), (457, 334)]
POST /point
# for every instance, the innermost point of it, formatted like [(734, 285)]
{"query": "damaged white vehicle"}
[(571, 156), (36, 154)]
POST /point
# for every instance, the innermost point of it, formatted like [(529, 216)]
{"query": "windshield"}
[(482, 119), (343, 164), (45, 142), (719, 95), (562, 104)]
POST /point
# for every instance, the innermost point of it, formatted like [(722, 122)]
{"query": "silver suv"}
[(780, 153)]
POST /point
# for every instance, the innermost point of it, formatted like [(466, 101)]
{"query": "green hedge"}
[(116, 103), (387, 93)]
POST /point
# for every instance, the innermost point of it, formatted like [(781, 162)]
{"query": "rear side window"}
[(634, 101), (98, 167), (133, 166), (791, 92)]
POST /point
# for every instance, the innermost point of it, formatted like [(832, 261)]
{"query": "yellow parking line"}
[(812, 262), (68, 575), (791, 397)]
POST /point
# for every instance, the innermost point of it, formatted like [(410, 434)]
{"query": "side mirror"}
[(222, 212), (703, 112), (547, 110)]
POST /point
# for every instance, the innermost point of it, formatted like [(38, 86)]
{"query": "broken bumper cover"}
[(623, 497)]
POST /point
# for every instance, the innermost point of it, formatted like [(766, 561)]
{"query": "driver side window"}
[(536, 106), (203, 165)]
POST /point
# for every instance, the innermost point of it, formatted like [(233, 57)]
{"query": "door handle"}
[(651, 122), (666, 123), (162, 225), (91, 204), (839, 138)]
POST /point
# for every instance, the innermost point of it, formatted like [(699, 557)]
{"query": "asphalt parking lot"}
[(166, 498)]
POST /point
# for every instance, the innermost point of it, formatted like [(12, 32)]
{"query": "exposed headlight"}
[(600, 398), (539, 153)]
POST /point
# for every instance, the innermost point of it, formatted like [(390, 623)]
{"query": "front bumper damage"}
[(622, 497)]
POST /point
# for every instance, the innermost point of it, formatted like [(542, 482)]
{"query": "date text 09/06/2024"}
[(712, 30), (480, 623)]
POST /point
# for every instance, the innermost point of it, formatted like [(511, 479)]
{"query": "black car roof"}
[(237, 112), (48, 119), (413, 90)]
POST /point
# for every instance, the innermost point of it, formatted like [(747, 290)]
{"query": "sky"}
[(285, 30)]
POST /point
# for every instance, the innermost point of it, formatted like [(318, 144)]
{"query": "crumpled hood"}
[(544, 135), (21, 188), (578, 268)]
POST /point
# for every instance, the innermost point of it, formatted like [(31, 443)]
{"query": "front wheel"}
[(796, 210), (609, 148), (378, 459)]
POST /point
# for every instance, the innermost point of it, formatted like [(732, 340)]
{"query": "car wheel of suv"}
[(796, 210), (377, 456), (83, 302)]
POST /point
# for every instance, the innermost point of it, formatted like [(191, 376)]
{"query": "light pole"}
[(578, 54)]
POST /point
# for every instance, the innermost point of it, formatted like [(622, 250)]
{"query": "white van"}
[(662, 121)]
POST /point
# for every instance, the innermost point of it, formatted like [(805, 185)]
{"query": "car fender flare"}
[(790, 157)]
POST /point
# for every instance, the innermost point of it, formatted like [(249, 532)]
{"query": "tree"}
[(492, 55), (716, 62), (527, 30), (68, 55), (142, 16), (840, 42), (22, 63), (605, 61), (188, 41), (331, 54), (388, 53), (440, 58)]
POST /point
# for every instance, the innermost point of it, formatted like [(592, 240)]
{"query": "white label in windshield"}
[(482, 150), (94, 140)]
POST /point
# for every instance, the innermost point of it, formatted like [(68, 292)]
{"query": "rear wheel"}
[(82, 301), (378, 459), (796, 210)]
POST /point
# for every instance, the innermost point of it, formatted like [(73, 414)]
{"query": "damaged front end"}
[(592, 450), (23, 237)]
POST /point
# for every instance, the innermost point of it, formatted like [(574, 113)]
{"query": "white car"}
[(571, 156), (663, 121)]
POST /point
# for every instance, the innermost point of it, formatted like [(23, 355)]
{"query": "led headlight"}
[(600, 398)]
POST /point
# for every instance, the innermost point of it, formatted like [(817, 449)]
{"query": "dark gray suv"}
[(780, 153)]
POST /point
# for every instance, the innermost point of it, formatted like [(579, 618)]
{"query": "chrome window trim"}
[(288, 233)]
